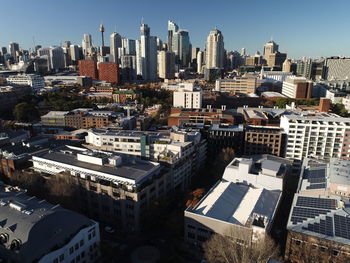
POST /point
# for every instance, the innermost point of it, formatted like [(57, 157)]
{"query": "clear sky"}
[(310, 28)]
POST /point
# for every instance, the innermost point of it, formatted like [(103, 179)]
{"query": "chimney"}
[(325, 105)]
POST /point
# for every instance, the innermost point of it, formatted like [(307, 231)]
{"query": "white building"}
[(215, 50), (242, 205), (56, 58), (265, 173), (87, 45), (275, 75), (297, 87), (188, 97), (35, 230), (200, 62), (74, 53), (36, 82), (315, 134)]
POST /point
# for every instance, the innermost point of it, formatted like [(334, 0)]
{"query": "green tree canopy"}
[(26, 112)]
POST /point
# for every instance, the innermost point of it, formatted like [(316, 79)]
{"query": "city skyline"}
[(248, 25)]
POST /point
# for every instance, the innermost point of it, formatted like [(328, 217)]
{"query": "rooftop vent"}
[(17, 205)]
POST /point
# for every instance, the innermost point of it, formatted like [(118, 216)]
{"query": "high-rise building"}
[(184, 52), (87, 45), (66, 44), (75, 54), (146, 50), (129, 46), (128, 68), (108, 71), (115, 44), (88, 68), (215, 50), (194, 53), (13, 50), (243, 52), (200, 57), (56, 58), (166, 64), (270, 48), (172, 29)]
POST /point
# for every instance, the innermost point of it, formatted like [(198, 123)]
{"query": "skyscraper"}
[(270, 48), (87, 45), (75, 54), (115, 43), (172, 28), (166, 64), (57, 58), (200, 57), (146, 51), (13, 49), (215, 50), (129, 46)]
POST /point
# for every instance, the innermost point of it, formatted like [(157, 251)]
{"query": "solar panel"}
[(308, 212), (314, 202), (317, 180), (342, 226), (325, 227), (316, 186)]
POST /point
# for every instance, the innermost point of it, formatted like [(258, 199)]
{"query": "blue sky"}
[(310, 28)]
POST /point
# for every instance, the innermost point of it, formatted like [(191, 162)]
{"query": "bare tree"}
[(224, 249)]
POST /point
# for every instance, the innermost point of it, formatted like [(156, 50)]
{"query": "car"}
[(109, 229)]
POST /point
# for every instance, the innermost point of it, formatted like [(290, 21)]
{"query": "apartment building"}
[(183, 152), (319, 218), (297, 88), (264, 140), (237, 85), (113, 188), (34, 230), (316, 134), (187, 96), (242, 205)]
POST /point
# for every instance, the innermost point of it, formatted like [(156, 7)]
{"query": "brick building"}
[(108, 71), (88, 68)]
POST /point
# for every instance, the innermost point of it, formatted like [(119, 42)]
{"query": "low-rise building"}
[(319, 218), (54, 118), (297, 88), (242, 205), (33, 230), (237, 85), (36, 82), (180, 117)]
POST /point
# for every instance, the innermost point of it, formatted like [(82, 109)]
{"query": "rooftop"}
[(238, 204), (130, 169), (40, 226), (321, 216)]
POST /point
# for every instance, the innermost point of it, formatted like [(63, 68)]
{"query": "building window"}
[(71, 250), (191, 235), (335, 252), (61, 257), (76, 247), (81, 242)]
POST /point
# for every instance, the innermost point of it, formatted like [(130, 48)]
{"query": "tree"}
[(26, 112), (194, 197), (224, 249)]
